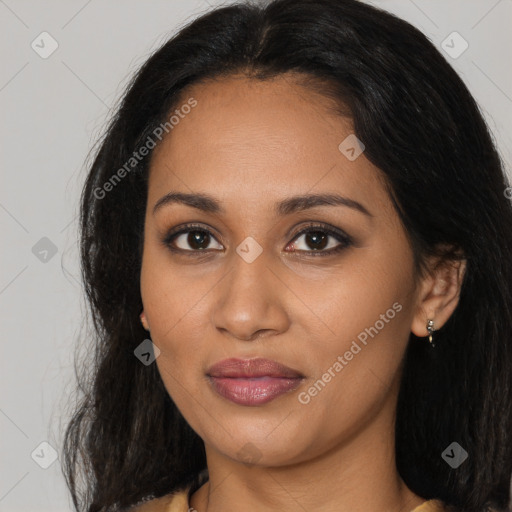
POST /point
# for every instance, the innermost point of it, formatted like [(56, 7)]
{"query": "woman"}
[(296, 245)]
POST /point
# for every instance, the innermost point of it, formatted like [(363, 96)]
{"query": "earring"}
[(430, 329), (143, 321)]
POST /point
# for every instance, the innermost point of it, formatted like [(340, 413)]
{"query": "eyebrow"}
[(287, 206)]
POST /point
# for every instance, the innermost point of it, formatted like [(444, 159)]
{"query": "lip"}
[(252, 381)]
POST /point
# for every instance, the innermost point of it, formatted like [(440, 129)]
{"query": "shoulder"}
[(175, 502), (431, 506)]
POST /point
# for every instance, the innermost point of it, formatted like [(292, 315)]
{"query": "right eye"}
[(190, 238)]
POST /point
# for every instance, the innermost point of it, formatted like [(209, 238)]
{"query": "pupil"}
[(318, 239), (197, 239)]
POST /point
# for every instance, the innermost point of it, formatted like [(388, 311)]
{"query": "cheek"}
[(173, 295), (181, 360), (353, 373), (341, 300), (358, 332), (175, 308)]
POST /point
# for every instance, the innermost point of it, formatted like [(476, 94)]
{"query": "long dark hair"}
[(424, 131)]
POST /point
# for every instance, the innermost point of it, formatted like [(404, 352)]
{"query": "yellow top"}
[(178, 502)]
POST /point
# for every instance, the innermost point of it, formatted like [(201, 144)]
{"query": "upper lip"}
[(258, 367)]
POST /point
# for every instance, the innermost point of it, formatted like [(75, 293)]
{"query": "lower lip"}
[(253, 391)]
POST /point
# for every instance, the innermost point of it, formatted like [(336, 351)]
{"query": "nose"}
[(250, 302)]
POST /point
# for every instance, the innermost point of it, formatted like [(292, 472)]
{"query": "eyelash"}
[(345, 240)]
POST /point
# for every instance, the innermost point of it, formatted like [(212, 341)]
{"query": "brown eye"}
[(316, 240), (191, 240), (320, 242), (197, 239)]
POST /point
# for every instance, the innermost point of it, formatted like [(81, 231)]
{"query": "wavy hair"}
[(424, 131)]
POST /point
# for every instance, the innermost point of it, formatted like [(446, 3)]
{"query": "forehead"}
[(257, 137)]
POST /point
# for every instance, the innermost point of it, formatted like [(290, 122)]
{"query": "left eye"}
[(317, 241)]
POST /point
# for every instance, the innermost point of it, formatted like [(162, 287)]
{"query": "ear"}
[(144, 321), (438, 294)]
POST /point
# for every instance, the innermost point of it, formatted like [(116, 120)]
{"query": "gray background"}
[(52, 111)]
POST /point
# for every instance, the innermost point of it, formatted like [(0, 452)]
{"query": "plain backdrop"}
[(52, 111)]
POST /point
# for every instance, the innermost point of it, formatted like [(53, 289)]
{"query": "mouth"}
[(252, 382)]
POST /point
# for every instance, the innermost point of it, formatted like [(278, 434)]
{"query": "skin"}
[(251, 144)]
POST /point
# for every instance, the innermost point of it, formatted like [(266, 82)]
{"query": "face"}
[(325, 288)]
